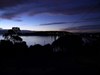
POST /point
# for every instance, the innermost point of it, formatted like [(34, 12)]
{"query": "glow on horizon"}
[(33, 22), (7, 25), (35, 28)]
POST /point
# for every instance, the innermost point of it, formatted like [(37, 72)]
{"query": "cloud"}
[(55, 23), (84, 28), (96, 19), (11, 3), (93, 18), (18, 20), (14, 8)]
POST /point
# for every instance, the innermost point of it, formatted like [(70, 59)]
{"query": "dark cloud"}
[(55, 23), (80, 21), (93, 18), (84, 28), (59, 23), (18, 20), (14, 8), (9, 3)]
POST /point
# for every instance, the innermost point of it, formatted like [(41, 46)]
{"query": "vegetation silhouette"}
[(69, 55), (12, 35)]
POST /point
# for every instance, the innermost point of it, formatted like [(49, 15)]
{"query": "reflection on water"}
[(32, 40), (1, 37)]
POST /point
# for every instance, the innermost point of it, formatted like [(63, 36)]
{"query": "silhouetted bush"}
[(68, 44), (6, 44), (20, 45)]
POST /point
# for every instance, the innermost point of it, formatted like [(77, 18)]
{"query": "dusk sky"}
[(48, 15)]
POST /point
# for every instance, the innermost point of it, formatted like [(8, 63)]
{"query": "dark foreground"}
[(69, 55)]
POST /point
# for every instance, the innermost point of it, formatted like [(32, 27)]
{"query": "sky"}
[(50, 15)]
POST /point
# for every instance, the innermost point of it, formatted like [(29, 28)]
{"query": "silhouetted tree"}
[(16, 30), (12, 35)]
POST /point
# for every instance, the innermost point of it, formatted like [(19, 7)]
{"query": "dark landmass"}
[(71, 54), (2, 31), (48, 33), (37, 33), (45, 33)]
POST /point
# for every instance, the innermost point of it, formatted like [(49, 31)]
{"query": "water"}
[(32, 40)]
